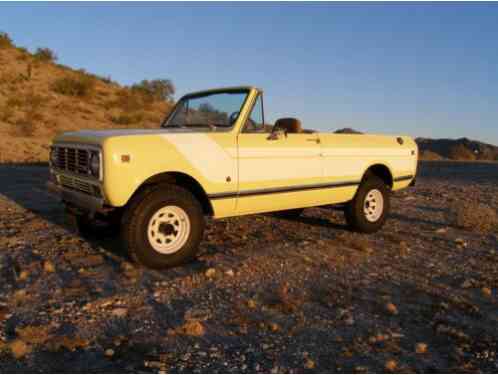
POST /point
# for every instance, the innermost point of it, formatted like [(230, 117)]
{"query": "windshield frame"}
[(202, 94)]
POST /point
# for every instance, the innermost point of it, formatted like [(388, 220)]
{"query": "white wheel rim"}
[(373, 206), (168, 229)]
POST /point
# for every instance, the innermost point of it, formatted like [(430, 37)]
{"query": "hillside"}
[(39, 98), (459, 149)]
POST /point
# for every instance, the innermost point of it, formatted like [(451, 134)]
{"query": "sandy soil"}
[(266, 294)]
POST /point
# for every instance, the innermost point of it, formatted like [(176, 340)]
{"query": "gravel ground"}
[(266, 294)]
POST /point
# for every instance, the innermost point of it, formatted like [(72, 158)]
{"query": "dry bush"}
[(429, 155), (5, 40), (130, 101), (473, 216), (6, 113), (155, 90), (460, 152), (81, 86), (45, 55), (31, 103), (127, 118)]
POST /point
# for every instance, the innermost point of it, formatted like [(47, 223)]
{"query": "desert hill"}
[(40, 98), (459, 149)]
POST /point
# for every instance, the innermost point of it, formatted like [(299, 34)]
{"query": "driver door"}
[(276, 173)]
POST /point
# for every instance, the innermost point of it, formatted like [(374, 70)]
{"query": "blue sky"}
[(421, 69)]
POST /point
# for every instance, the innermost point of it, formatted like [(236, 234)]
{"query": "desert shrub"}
[(129, 100), (430, 155), (80, 86), (156, 89), (127, 118), (473, 216), (14, 102), (460, 152), (5, 40), (6, 113), (25, 126), (45, 54)]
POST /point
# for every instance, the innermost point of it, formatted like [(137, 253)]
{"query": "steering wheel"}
[(250, 125), (233, 117)]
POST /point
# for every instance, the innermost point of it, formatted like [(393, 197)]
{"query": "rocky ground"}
[(267, 294)]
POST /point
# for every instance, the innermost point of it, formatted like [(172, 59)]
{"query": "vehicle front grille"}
[(74, 183), (72, 159)]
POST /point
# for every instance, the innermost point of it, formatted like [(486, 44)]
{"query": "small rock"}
[(48, 266), (193, 328), (460, 242), (251, 304), (109, 352), (309, 364), (421, 348), (19, 348), (274, 327), (468, 283), (120, 312), (23, 275), (230, 273), (486, 291), (349, 321), (391, 365), (441, 230), (391, 308), (210, 272)]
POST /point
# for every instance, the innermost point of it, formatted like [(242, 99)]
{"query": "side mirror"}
[(277, 134)]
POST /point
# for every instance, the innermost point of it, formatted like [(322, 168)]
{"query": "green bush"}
[(81, 86), (45, 54), (156, 89), (5, 40)]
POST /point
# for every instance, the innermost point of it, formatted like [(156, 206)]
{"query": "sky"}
[(421, 69)]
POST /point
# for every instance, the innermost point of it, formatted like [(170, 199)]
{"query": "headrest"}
[(289, 124)]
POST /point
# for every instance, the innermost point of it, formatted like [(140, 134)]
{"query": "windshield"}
[(211, 110)]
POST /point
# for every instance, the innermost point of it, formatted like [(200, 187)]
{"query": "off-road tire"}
[(354, 211), (138, 213)]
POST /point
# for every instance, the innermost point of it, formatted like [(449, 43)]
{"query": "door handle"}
[(316, 140)]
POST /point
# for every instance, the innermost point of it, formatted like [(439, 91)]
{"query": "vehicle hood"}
[(99, 136)]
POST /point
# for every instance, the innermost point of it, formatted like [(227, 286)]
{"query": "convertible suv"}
[(214, 155)]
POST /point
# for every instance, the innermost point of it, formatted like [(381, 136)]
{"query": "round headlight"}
[(53, 156), (95, 164)]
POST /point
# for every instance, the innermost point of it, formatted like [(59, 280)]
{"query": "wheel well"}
[(185, 181), (382, 172)]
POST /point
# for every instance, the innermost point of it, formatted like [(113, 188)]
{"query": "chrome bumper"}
[(84, 201)]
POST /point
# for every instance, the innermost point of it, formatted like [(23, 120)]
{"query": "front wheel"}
[(163, 226), (368, 210)]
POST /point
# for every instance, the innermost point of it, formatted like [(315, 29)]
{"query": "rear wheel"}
[(368, 210), (163, 226)]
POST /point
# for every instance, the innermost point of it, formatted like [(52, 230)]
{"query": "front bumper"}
[(80, 200)]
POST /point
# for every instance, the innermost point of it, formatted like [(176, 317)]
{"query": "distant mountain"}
[(457, 149)]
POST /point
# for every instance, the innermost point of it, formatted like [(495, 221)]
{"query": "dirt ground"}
[(266, 294)]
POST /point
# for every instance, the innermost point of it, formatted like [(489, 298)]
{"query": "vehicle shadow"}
[(24, 184)]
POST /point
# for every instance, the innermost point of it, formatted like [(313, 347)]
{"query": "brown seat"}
[(289, 124)]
